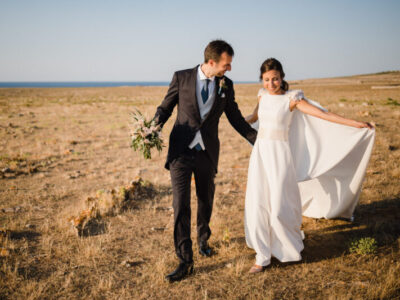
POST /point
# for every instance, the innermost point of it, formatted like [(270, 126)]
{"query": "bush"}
[(363, 246)]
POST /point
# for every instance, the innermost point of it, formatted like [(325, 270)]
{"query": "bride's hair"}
[(274, 64)]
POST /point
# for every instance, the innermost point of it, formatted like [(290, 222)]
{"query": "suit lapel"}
[(193, 97)]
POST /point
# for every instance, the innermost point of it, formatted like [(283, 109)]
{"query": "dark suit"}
[(182, 161)]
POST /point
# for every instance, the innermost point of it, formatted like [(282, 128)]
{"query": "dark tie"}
[(204, 91)]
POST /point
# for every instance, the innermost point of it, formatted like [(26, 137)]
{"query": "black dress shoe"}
[(180, 272), (205, 250)]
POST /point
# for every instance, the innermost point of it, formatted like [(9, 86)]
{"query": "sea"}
[(78, 84), (82, 84)]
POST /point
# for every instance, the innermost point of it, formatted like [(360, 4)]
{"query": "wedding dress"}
[(299, 165)]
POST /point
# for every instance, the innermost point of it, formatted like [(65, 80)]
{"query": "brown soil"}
[(60, 146)]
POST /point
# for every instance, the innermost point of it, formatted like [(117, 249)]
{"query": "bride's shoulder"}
[(295, 95)]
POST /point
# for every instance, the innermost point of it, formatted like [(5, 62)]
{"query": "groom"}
[(202, 95)]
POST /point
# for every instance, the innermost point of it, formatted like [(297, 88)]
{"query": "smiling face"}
[(224, 64), (272, 82)]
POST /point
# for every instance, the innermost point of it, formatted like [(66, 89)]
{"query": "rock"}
[(8, 209), (158, 228), (12, 209), (130, 263), (164, 208), (7, 170)]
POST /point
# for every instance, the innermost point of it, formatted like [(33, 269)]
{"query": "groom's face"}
[(224, 64)]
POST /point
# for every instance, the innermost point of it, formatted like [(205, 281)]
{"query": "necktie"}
[(204, 91)]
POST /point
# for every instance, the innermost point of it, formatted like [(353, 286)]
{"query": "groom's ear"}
[(211, 62)]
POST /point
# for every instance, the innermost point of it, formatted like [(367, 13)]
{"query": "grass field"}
[(60, 146)]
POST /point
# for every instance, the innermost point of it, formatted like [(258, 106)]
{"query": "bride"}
[(300, 164)]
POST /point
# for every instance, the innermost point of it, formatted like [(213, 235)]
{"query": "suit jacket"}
[(182, 92)]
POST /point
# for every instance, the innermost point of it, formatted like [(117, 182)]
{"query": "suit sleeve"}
[(166, 107), (236, 119)]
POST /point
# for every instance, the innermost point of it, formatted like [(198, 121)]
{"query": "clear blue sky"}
[(148, 40)]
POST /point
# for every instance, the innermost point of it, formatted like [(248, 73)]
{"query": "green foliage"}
[(367, 245), (123, 192), (226, 236), (343, 100), (393, 102)]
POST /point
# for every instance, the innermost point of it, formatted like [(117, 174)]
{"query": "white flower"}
[(147, 131)]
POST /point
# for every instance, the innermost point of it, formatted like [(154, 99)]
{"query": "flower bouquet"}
[(145, 135)]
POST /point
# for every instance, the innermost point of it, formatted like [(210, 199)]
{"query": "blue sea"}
[(78, 84)]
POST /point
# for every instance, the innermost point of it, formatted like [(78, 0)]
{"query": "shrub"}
[(367, 245)]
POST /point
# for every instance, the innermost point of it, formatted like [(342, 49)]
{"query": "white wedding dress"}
[(299, 165)]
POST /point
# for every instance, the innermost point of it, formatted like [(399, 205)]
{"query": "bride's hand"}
[(248, 118), (364, 125)]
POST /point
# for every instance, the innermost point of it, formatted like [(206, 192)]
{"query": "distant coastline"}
[(79, 84)]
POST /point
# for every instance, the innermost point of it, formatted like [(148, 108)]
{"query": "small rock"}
[(130, 263), (229, 265), (158, 228), (30, 226), (164, 208), (7, 170), (8, 209)]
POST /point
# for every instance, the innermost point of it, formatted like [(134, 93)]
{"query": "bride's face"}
[(272, 82)]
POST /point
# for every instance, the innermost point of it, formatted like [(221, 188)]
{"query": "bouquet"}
[(145, 135)]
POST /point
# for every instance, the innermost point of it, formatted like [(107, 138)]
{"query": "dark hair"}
[(274, 64), (215, 49)]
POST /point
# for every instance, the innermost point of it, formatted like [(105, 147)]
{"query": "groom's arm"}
[(166, 107), (237, 120)]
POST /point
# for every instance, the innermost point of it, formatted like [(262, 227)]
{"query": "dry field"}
[(60, 146)]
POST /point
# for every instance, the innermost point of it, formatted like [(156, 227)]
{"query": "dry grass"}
[(59, 146)]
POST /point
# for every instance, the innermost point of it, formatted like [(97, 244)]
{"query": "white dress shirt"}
[(204, 108)]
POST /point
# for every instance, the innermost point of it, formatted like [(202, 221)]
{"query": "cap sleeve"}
[(295, 95), (261, 92)]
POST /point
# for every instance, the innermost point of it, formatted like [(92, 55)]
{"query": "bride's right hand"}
[(364, 125)]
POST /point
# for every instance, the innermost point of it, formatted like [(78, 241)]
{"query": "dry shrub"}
[(109, 202)]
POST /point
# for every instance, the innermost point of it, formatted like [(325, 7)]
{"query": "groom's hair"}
[(215, 49)]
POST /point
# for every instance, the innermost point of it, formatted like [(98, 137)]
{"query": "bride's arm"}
[(309, 109), (254, 116)]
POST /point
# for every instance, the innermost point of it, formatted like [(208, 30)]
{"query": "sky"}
[(116, 40)]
